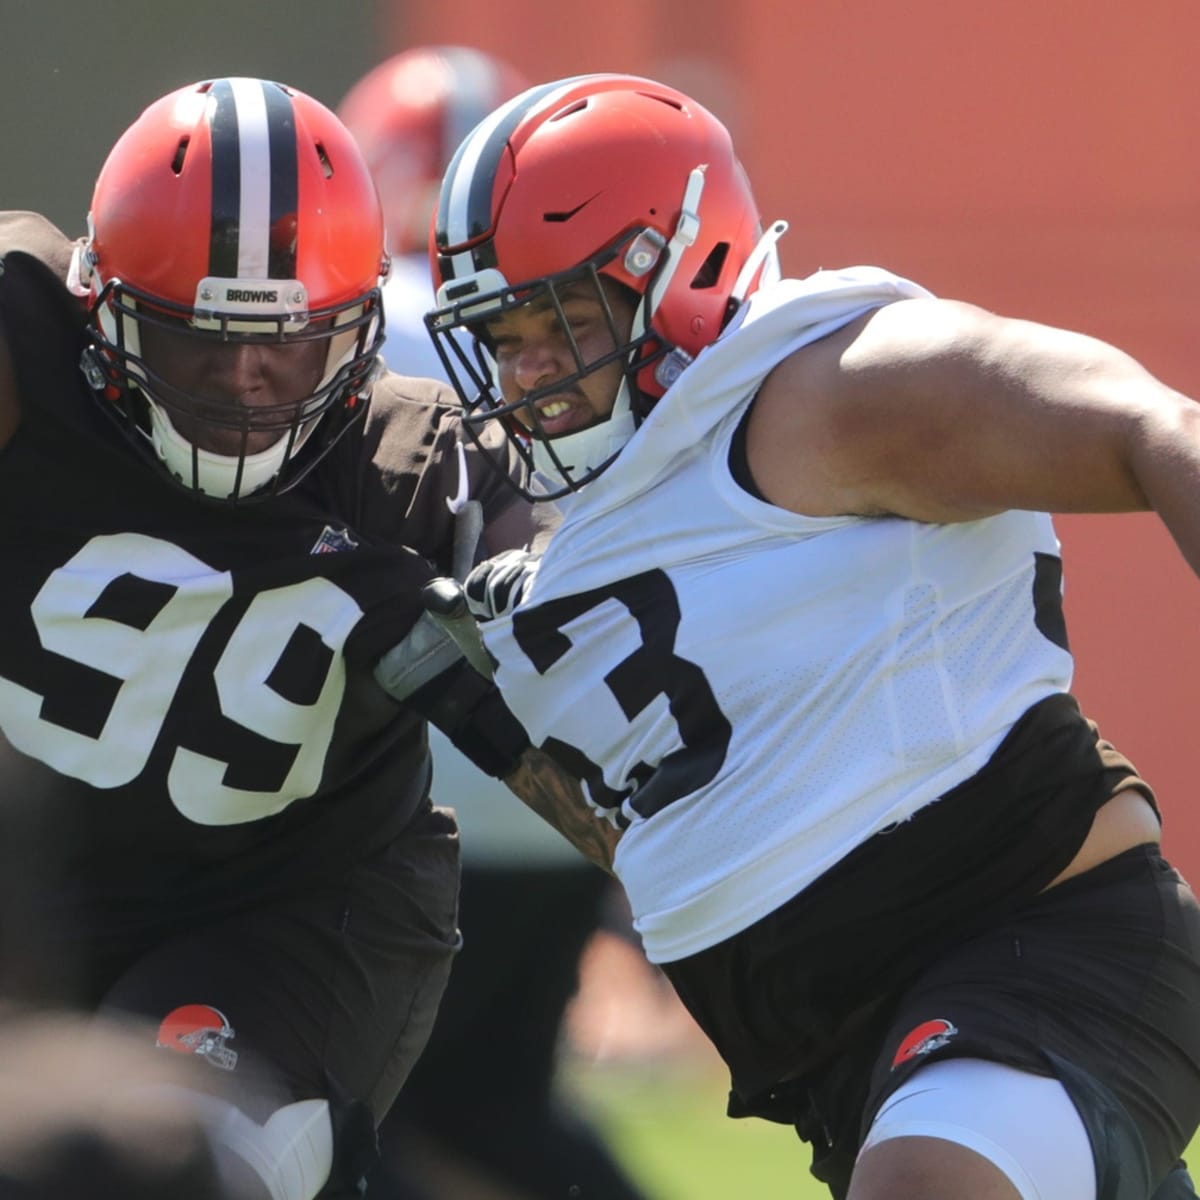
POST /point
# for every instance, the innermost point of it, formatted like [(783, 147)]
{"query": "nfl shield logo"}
[(333, 540)]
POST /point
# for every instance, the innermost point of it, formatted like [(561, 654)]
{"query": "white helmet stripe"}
[(485, 145), (254, 203), (465, 204), (254, 183)]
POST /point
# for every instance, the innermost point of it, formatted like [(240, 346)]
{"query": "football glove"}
[(428, 671), (497, 585)]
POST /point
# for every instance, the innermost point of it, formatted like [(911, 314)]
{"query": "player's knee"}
[(932, 1168), (970, 1127)]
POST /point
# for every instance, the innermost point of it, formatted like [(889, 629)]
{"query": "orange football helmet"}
[(597, 176), (234, 210)]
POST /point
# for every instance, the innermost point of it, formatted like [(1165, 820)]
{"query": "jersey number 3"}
[(652, 670)]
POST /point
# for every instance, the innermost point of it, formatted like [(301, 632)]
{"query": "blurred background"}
[(1038, 157)]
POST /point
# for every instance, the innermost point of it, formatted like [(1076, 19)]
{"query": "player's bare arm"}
[(557, 798), (941, 411)]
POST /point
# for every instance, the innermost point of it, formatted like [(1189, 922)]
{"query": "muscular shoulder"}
[(872, 355), (33, 234), (834, 419)]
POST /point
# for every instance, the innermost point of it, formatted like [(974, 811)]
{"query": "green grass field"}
[(667, 1125)]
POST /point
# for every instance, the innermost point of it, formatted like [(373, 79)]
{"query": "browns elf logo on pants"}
[(201, 1030), (925, 1038)]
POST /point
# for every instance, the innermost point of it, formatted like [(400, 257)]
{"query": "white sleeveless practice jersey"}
[(754, 693)]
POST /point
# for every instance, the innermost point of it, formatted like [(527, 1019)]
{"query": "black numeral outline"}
[(653, 670)]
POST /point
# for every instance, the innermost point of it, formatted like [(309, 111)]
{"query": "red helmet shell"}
[(165, 211), (244, 209), (566, 169)]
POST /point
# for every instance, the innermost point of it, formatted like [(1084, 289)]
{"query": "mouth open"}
[(557, 415)]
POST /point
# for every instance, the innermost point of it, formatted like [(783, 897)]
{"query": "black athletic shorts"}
[(938, 939), (1096, 982), (330, 992)]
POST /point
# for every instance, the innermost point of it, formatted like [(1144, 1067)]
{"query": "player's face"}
[(533, 349), (271, 379)]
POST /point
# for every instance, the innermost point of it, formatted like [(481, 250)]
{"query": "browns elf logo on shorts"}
[(925, 1038), (202, 1030)]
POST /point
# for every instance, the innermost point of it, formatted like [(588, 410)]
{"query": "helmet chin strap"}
[(583, 452), (216, 474), (587, 450), (764, 257), (687, 230)]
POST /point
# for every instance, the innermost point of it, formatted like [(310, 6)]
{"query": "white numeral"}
[(150, 664), (196, 781)]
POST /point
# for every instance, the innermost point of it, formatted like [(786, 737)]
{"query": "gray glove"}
[(497, 585), (430, 670), (427, 651)]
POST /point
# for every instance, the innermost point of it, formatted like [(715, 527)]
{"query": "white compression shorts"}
[(291, 1154), (1025, 1124)]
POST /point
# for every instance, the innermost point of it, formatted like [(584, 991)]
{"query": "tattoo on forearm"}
[(557, 798)]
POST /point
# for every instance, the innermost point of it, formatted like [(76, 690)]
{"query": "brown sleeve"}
[(409, 458), (41, 327), (10, 408), (32, 234)]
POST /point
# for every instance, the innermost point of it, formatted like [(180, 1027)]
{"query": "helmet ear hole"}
[(710, 268)]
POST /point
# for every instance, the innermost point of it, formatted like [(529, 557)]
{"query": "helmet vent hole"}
[(180, 155), (326, 165), (579, 106), (710, 269), (669, 101)]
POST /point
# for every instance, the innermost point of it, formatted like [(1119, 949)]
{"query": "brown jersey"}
[(186, 693)]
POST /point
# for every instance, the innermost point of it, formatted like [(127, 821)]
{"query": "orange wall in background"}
[(1041, 159)]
